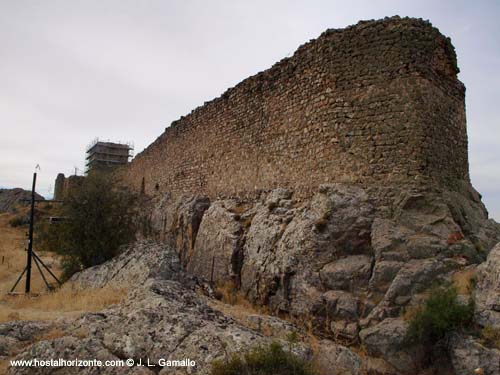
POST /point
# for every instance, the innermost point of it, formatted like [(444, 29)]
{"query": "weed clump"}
[(441, 314), (18, 221), (99, 220), (263, 360)]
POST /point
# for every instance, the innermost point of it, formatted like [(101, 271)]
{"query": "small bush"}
[(100, 219), (18, 221), (263, 360), (69, 265), (441, 314)]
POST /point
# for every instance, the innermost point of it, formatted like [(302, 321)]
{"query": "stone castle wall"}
[(376, 103), (65, 186)]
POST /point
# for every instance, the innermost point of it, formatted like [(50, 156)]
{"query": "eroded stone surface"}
[(467, 355), (488, 290)]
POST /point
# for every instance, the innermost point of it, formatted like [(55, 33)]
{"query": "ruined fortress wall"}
[(66, 186), (375, 103)]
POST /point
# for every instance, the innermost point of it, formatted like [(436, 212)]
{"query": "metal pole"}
[(41, 273), (30, 237), (17, 281)]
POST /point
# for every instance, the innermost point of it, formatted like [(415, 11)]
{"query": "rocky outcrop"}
[(338, 359), (15, 335), (468, 355), (164, 317), (488, 290), (135, 265), (386, 340), (348, 260)]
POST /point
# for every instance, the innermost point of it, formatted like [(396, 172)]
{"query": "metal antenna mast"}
[(30, 237), (31, 255)]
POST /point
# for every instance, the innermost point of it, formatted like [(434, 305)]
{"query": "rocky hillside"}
[(9, 198), (341, 269), (166, 315), (350, 261)]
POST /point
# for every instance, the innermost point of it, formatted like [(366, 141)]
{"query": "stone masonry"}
[(377, 103)]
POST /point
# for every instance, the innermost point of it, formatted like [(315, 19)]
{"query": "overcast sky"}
[(123, 70)]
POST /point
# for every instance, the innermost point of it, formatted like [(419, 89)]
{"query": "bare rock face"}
[(133, 267), (349, 273), (337, 358), (218, 249), (488, 290), (177, 221), (467, 355), (345, 261), (290, 252), (18, 334), (386, 340)]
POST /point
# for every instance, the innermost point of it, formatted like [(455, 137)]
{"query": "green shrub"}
[(263, 360), (441, 315), (18, 221), (99, 220)]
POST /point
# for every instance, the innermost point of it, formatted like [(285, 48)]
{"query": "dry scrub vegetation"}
[(13, 255), (64, 302)]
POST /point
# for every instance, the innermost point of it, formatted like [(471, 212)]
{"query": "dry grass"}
[(66, 299), (63, 302), (231, 295), (54, 333), (463, 279), (13, 256), (4, 366), (240, 208), (410, 312), (41, 305)]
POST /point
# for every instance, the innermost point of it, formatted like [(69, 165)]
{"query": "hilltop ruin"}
[(377, 103)]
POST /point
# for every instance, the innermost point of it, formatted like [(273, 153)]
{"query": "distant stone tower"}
[(107, 154), (66, 186), (59, 186)]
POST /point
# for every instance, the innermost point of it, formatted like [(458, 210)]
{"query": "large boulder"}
[(337, 359), (137, 263), (386, 340), (288, 246), (217, 253), (349, 273)]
